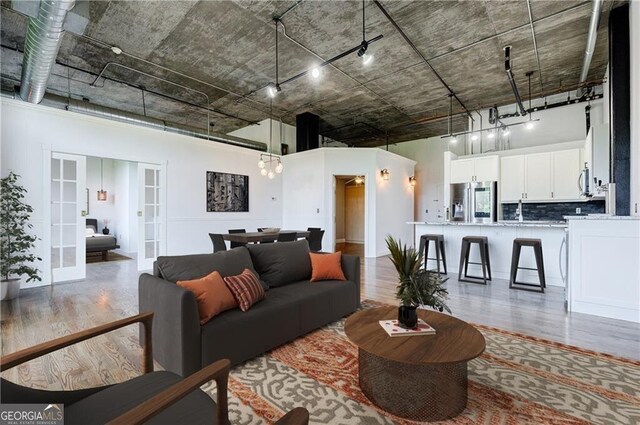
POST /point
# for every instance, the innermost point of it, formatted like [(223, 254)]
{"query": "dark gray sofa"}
[(293, 306)]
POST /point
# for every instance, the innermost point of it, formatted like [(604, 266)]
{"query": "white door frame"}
[(145, 264), (367, 250)]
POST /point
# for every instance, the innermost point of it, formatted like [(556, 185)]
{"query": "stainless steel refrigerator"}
[(474, 202)]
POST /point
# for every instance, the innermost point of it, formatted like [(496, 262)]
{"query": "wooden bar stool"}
[(536, 244), (485, 262), (438, 240)]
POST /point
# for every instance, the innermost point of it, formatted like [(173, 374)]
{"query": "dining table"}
[(256, 237)]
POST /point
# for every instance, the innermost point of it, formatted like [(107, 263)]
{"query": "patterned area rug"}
[(518, 380)]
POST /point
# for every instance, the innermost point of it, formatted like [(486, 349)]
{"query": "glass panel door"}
[(68, 176), (150, 215)]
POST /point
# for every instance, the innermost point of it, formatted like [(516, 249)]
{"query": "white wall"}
[(260, 133), (634, 35), (429, 172), (309, 193), (29, 132)]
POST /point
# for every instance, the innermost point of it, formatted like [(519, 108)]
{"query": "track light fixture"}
[(363, 48), (505, 131), (529, 125), (315, 73), (367, 58), (273, 90), (491, 135), (454, 140), (474, 137)]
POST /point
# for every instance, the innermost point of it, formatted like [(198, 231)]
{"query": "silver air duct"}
[(44, 35), (591, 42), (86, 108)]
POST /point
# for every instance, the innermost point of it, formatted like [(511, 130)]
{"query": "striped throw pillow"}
[(246, 289)]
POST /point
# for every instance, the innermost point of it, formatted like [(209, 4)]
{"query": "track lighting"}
[(491, 135), (506, 131), (315, 73), (273, 90), (454, 140), (529, 125), (367, 58), (363, 48), (474, 137)]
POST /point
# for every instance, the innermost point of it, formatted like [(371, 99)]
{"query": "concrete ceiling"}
[(223, 52)]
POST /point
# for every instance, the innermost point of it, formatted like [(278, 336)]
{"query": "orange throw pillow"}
[(326, 266), (212, 295)]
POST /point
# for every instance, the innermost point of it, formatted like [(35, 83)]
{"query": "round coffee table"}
[(423, 377)]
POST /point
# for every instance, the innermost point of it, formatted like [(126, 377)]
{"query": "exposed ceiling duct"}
[(512, 81), (87, 108), (591, 42), (44, 35)]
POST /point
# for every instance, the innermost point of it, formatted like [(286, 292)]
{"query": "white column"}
[(634, 45)]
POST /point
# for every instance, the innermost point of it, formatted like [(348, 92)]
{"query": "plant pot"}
[(407, 316), (105, 231), (10, 289)]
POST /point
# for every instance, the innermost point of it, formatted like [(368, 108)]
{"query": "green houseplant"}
[(416, 286), (16, 245)]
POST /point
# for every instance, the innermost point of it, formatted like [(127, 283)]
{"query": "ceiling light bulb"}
[(492, 135), (367, 58), (263, 172), (506, 132), (454, 140), (261, 163), (474, 137), (116, 50), (315, 73), (529, 125), (271, 174), (273, 90), (279, 167)]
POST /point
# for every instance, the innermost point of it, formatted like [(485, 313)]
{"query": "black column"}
[(307, 131), (619, 89)]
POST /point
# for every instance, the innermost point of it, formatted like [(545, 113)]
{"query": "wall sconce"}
[(412, 182), (384, 174)]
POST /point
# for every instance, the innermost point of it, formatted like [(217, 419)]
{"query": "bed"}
[(97, 242)]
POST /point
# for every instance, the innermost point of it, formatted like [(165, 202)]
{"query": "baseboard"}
[(341, 240)]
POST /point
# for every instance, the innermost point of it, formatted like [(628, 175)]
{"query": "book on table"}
[(394, 329)]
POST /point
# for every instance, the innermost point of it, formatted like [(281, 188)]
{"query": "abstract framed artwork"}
[(227, 192)]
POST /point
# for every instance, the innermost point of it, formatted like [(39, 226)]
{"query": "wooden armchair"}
[(153, 398)]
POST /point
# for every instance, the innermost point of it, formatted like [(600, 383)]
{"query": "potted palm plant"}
[(16, 245), (416, 286)]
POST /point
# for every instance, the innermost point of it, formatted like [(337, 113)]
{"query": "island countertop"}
[(503, 223)]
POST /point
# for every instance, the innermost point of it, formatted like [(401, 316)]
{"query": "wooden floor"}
[(110, 292)]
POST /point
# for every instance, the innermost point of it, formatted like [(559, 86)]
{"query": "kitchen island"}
[(501, 235)]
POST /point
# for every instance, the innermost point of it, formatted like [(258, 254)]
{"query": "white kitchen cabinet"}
[(538, 177), (565, 172), (512, 178), (461, 171), (485, 168)]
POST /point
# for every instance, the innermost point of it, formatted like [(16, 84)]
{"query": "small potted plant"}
[(16, 245), (416, 286)]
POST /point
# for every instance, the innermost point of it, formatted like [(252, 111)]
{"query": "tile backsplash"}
[(552, 211)]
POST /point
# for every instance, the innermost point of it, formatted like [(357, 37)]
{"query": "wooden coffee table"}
[(423, 378)]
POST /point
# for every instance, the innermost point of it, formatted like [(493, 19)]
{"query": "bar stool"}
[(485, 262), (536, 244), (438, 240)]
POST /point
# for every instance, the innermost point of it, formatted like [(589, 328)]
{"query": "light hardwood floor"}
[(110, 292)]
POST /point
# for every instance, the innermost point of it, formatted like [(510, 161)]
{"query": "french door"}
[(150, 215), (68, 192)]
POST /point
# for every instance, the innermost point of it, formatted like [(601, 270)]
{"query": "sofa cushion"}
[(326, 266), (189, 267), (281, 263), (246, 289), (108, 404), (212, 295)]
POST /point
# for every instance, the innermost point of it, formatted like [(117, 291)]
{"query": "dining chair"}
[(309, 229), (315, 239), (218, 242), (287, 237), (152, 398), (237, 244)]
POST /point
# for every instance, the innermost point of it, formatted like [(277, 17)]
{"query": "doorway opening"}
[(350, 214)]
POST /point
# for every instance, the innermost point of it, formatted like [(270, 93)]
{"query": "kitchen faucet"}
[(519, 215)]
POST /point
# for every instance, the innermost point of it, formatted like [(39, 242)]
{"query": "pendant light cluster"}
[(270, 164), (361, 50)]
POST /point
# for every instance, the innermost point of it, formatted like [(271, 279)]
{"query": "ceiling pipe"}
[(87, 108), (512, 81), (591, 43), (44, 36)]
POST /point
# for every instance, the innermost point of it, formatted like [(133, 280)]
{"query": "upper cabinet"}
[(540, 177), (485, 168)]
